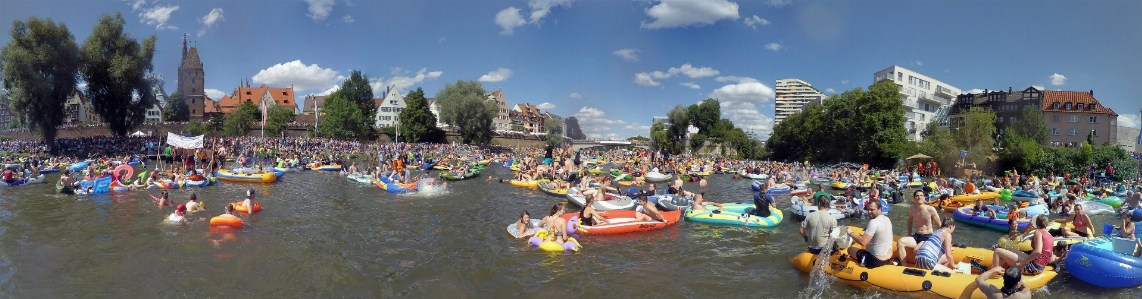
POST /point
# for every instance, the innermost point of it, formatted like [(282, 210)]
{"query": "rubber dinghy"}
[(669, 202), (657, 177), (735, 214), (23, 181), (915, 281), (620, 222), (1106, 262), (610, 201), (801, 209)]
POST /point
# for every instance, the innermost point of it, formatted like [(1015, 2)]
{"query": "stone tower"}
[(191, 80)]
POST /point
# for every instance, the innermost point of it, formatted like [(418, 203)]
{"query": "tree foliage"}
[(705, 115), (341, 118), (417, 123), (195, 127), (639, 138), (115, 67), (679, 119), (463, 105), (974, 132), (277, 120), (856, 126), (176, 108), (357, 90), (573, 130), (554, 130), (241, 120), (40, 65)]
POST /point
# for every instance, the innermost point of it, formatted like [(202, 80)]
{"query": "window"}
[(1113, 122), (999, 119), (1054, 131), (1055, 105), (386, 109), (192, 101), (287, 101), (192, 111), (1092, 106), (247, 92), (394, 102), (1080, 106), (1093, 119), (1074, 132), (1054, 118), (285, 94), (899, 76), (1068, 106), (1012, 119), (1074, 118), (193, 90), (1095, 132)]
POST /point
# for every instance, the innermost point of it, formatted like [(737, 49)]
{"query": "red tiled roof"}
[(225, 105), (1074, 98), (283, 96)]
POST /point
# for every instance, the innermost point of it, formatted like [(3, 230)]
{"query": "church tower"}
[(191, 80)]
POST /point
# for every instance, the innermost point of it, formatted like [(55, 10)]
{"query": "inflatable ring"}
[(123, 167), (226, 221), (238, 207), (540, 240)]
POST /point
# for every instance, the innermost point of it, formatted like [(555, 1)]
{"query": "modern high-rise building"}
[(925, 99), (792, 96)]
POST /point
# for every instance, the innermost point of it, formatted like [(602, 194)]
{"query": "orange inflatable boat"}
[(622, 221)]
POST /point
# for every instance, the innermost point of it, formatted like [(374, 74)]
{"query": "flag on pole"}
[(264, 108)]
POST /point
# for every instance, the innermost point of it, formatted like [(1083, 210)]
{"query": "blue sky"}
[(616, 64)]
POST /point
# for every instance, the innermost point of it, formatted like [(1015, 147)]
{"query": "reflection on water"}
[(323, 236)]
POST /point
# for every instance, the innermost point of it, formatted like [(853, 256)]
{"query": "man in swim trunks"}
[(647, 212), (921, 216), (877, 238), (700, 203)]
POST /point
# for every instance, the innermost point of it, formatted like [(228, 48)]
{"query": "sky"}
[(616, 64)]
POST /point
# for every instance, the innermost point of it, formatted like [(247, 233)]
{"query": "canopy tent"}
[(179, 141), (919, 156), (138, 134)]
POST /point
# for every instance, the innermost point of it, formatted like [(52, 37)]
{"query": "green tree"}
[(341, 118), (939, 145), (39, 67), (277, 120), (417, 123), (554, 131), (241, 120), (705, 115), (176, 109), (195, 127), (697, 141), (1031, 124), (463, 105), (972, 131), (357, 90), (679, 119), (115, 67), (639, 138)]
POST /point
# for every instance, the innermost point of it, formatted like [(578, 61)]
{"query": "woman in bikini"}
[(1081, 222)]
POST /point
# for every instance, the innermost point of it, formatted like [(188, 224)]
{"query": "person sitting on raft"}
[(936, 252), (982, 210), (1082, 225), (1126, 231), (195, 176), (700, 203), (647, 212), (1031, 264), (589, 216), (523, 224), (877, 238), (1013, 287), (762, 202), (554, 224), (66, 179)]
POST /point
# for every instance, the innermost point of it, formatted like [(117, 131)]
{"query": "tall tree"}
[(357, 90), (973, 131), (115, 67), (176, 109), (341, 118), (679, 118), (277, 120), (39, 68), (705, 115), (1032, 125), (241, 120), (573, 130), (463, 105), (554, 130), (417, 123)]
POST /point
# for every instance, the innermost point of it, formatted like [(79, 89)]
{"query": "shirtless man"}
[(66, 179), (193, 205), (700, 204), (921, 217), (647, 211), (249, 201)]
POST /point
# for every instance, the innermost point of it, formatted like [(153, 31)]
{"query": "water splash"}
[(819, 280)]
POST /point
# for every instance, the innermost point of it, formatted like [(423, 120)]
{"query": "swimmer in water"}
[(177, 217), (249, 201), (164, 200), (193, 205)]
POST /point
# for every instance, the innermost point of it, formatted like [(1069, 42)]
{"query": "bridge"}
[(584, 144)]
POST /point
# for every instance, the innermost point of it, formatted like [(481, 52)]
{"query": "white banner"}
[(184, 142)]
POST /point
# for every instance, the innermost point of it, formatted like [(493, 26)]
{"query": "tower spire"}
[(184, 45)]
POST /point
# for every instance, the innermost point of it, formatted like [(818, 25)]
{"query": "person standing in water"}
[(248, 203), (817, 226), (923, 218)]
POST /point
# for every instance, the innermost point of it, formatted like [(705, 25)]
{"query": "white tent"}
[(138, 134)]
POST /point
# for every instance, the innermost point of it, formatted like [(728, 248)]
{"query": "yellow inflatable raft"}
[(972, 197)]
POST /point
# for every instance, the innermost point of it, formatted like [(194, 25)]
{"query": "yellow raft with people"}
[(912, 281), (525, 184), (973, 197), (229, 176)]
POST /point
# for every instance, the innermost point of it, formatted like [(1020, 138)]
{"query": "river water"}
[(322, 236)]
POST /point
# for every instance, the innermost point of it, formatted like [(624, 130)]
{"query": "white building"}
[(389, 109), (925, 99), (792, 96), (434, 107), (154, 114)]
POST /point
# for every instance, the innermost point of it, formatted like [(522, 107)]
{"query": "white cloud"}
[(845, 82), (335, 87), (746, 116), (754, 92), (974, 91), (736, 79), (500, 74), (348, 19), (1129, 120), (509, 18), (690, 85), (594, 123), (209, 19), (137, 4), (1039, 87), (158, 15), (403, 83), (754, 21), (545, 106), (214, 94), (830, 90), (540, 8), (682, 13), (1058, 79), (302, 76), (777, 3), (774, 47), (629, 54), (645, 80), (918, 63), (575, 95), (319, 9)]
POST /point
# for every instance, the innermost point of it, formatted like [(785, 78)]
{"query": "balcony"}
[(910, 104), (910, 115), (936, 100), (945, 92)]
